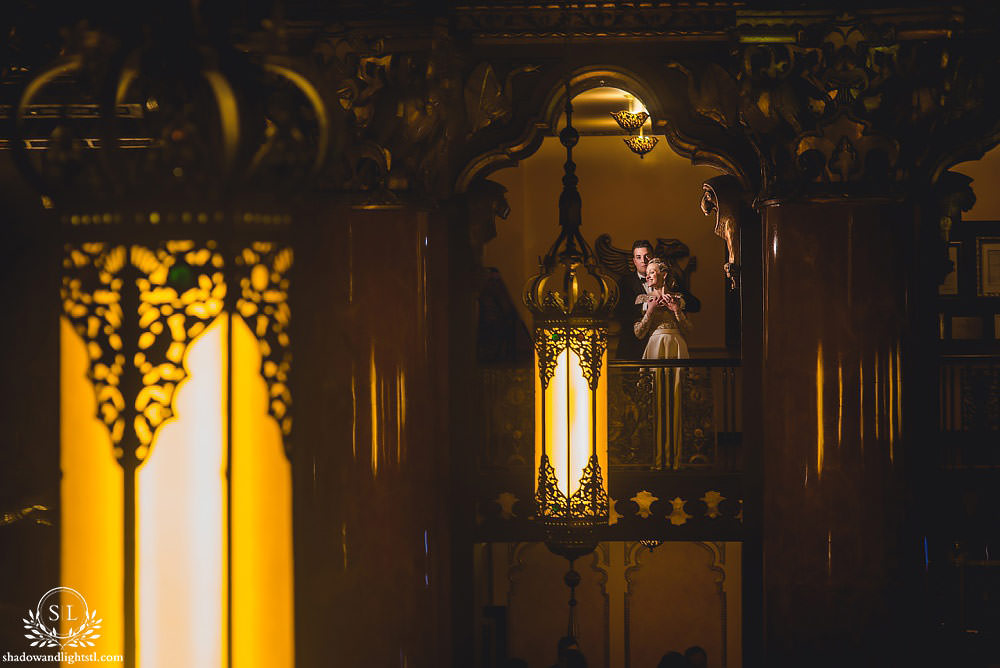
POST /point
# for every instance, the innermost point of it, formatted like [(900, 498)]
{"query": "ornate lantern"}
[(571, 300), (165, 168)]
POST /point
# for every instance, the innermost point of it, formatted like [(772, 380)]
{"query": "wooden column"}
[(371, 464), (835, 433)]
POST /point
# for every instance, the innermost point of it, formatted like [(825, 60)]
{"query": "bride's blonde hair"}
[(660, 262), (669, 280)]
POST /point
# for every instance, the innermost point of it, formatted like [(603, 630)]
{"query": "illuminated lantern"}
[(571, 300), (176, 350)]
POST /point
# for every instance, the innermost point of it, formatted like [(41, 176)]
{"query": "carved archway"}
[(665, 99)]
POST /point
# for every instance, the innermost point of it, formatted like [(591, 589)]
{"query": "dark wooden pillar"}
[(371, 465), (837, 281)]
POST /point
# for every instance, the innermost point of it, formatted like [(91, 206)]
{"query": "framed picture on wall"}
[(950, 284), (988, 259)]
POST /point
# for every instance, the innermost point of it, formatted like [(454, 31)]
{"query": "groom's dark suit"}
[(627, 313)]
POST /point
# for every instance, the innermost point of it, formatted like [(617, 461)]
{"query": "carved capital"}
[(857, 104), (411, 107)]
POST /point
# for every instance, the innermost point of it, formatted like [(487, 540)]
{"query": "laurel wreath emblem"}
[(41, 635)]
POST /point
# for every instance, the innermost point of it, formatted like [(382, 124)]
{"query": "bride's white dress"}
[(665, 342), (665, 338)]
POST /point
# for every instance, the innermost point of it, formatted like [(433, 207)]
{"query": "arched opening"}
[(669, 487)]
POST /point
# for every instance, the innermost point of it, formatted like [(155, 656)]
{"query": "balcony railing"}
[(662, 414), (675, 415), (674, 450)]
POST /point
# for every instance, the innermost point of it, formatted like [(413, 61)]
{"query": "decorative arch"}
[(715, 563), (666, 120)]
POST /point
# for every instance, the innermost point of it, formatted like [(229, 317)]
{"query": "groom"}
[(630, 286)]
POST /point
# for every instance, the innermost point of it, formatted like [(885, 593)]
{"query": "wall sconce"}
[(630, 121), (640, 144), (571, 300)]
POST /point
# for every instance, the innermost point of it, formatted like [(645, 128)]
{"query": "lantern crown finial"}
[(175, 120), (570, 284)]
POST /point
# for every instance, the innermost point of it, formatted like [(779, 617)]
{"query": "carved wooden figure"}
[(722, 197)]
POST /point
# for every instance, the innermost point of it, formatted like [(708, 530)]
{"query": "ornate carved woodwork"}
[(855, 103), (723, 197), (644, 505), (674, 252), (409, 111), (806, 104), (172, 121)]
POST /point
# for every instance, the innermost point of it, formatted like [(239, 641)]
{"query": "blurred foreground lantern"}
[(571, 300), (167, 167)]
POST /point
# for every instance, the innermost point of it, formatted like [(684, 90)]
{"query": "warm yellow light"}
[(840, 401), (820, 444), (91, 490), (181, 521), (400, 415), (374, 398), (261, 481), (572, 417), (629, 120), (640, 144), (184, 570)]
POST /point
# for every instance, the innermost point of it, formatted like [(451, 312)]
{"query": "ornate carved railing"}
[(674, 448), (675, 414)]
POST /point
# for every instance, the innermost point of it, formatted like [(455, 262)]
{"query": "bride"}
[(664, 316), (663, 319)]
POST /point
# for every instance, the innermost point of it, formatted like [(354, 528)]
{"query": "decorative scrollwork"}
[(588, 505), (678, 516), (549, 499), (548, 344), (590, 500), (712, 499), (644, 499), (631, 418), (180, 288), (589, 344), (262, 302), (846, 102), (406, 110), (91, 294), (697, 447)]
